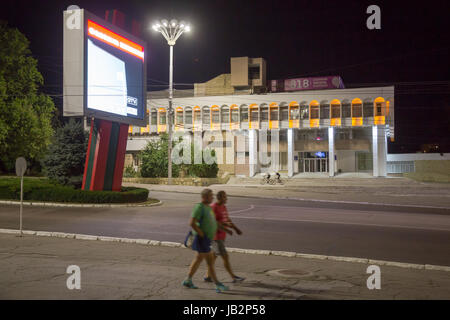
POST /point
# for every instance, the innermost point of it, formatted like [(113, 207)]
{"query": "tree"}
[(25, 114), (67, 154), (154, 159)]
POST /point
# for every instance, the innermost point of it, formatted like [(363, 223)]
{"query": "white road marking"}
[(364, 202), (337, 222), (243, 210)]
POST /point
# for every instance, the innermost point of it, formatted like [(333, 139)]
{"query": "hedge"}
[(38, 189)]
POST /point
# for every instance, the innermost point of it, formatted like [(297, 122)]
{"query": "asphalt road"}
[(415, 235)]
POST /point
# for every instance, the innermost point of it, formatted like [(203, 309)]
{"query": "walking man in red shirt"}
[(225, 225)]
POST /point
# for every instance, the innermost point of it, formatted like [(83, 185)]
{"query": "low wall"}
[(436, 166), (204, 182), (430, 171)]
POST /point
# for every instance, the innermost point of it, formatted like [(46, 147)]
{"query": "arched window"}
[(274, 111), (294, 111), (380, 112), (253, 116), (153, 117), (335, 112), (215, 117), (234, 113), (357, 108), (225, 112), (367, 108), (188, 115), (197, 115), (264, 112), (179, 121), (346, 109), (273, 115), (294, 115), (357, 112), (284, 112), (335, 106), (379, 107), (244, 113), (206, 117), (162, 116), (304, 111), (314, 109), (324, 110), (215, 114), (234, 116), (162, 120)]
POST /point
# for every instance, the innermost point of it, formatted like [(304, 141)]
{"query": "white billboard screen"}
[(114, 73)]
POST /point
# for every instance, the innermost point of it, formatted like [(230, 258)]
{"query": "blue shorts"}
[(202, 245)]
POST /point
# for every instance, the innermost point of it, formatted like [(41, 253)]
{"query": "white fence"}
[(400, 166)]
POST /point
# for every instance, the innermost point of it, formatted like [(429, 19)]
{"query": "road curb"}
[(316, 200), (79, 205), (235, 250)]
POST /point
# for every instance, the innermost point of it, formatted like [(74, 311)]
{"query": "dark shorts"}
[(218, 247), (202, 245)]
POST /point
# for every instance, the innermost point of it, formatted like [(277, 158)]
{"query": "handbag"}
[(189, 240)]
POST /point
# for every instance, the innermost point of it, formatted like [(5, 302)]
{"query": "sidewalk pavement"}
[(391, 191), (33, 267)]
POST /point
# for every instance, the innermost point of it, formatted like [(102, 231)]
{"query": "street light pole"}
[(171, 32), (169, 121)]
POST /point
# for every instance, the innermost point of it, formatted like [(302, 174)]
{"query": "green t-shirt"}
[(206, 216)]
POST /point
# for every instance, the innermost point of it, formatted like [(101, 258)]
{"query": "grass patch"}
[(45, 190)]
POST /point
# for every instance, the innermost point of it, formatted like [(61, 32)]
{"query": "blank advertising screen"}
[(114, 73)]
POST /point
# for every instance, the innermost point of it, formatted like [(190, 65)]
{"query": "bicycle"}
[(278, 181), (267, 180)]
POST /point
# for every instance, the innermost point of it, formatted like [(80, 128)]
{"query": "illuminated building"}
[(329, 131)]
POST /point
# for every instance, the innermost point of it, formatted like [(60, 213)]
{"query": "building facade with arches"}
[(327, 131)]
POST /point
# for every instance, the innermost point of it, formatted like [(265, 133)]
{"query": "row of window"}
[(215, 115), (273, 112)]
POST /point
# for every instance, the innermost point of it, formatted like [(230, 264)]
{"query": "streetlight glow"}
[(171, 32)]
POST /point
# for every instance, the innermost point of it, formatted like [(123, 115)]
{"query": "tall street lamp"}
[(171, 31)]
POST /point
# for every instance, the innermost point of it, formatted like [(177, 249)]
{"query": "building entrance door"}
[(313, 162)]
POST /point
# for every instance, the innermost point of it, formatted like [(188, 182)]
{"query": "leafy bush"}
[(154, 159), (38, 189), (154, 162), (202, 170), (65, 160), (129, 172)]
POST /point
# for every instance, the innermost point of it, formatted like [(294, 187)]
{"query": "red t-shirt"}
[(221, 213)]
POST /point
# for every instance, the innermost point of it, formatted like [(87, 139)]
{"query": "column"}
[(379, 151), (252, 152), (290, 156), (275, 149), (331, 152)]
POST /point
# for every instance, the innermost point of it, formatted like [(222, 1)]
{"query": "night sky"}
[(297, 38)]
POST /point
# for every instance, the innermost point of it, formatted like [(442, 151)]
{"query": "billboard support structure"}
[(105, 156)]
